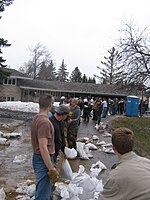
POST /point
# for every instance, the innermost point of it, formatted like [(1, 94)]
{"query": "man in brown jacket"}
[(131, 177)]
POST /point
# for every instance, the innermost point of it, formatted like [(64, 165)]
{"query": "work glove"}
[(53, 175)]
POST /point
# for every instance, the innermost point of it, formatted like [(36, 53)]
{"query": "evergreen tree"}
[(4, 3), (91, 80), (110, 74), (3, 42), (47, 72), (94, 81), (51, 71), (76, 76), (84, 79), (62, 73), (42, 71)]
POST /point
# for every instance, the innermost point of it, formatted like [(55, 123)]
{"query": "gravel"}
[(18, 115)]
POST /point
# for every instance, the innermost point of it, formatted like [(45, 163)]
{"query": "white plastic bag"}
[(81, 152), (91, 146), (2, 194), (3, 140), (70, 153), (66, 171)]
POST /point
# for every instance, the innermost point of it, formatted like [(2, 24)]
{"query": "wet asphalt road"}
[(11, 173)]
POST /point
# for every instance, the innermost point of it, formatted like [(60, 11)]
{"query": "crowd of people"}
[(98, 107), (55, 128)]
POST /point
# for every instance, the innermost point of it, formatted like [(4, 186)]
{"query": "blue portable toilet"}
[(132, 106)]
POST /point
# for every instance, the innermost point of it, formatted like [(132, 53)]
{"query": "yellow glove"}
[(54, 175)]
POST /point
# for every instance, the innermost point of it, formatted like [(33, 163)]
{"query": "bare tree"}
[(134, 46), (39, 55)]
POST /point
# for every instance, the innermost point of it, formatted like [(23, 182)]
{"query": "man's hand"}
[(54, 175)]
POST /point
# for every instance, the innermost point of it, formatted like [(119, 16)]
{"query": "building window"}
[(9, 81), (5, 81), (13, 81), (8, 99)]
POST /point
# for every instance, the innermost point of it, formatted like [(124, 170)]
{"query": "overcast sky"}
[(78, 31)]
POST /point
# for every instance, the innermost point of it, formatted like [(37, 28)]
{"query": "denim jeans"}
[(104, 112), (43, 185)]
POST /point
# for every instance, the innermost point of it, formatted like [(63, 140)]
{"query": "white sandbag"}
[(91, 146), (61, 191), (64, 193), (30, 191), (23, 197), (70, 153), (107, 145), (1, 133), (83, 139), (75, 198), (97, 168), (88, 152), (67, 192), (108, 150), (95, 172), (78, 178), (81, 152), (3, 140), (12, 135), (95, 137), (20, 159), (74, 191), (106, 134), (101, 143), (66, 171), (89, 185), (96, 127), (98, 165), (82, 186), (2, 194)]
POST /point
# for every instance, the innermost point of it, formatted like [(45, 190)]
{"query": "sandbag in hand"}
[(60, 158), (54, 175)]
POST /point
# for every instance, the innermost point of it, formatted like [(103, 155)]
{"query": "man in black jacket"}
[(57, 120)]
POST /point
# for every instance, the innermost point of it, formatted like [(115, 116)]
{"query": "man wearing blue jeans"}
[(42, 138)]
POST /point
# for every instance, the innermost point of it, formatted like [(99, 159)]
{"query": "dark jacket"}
[(58, 134)]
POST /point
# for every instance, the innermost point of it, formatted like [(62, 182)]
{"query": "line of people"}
[(96, 107), (130, 179), (100, 107)]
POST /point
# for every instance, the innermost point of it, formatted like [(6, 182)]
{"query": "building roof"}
[(16, 74), (91, 88), (70, 87)]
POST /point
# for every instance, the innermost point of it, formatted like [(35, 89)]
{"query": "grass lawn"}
[(141, 128)]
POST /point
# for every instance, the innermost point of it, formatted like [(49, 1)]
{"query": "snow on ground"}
[(22, 106)]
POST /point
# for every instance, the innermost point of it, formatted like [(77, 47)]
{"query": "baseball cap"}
[(62, 109)]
